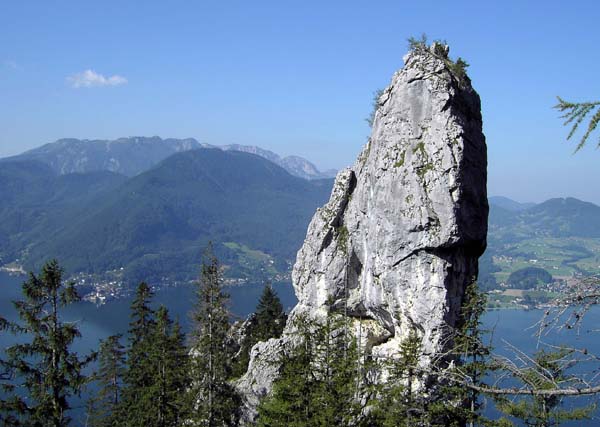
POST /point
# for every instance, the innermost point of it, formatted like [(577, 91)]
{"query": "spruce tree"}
[(292, 399), (212, 400), (337, 366), (44, 365), (470, 355), (169, 373), (270, 317), (451, 402), (398, 403), (319, 382), (266, 322), (111, 368), (134, 409)]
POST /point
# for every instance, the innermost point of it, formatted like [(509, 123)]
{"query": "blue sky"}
[(297, 77)]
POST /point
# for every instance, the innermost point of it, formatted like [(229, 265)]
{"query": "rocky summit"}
[(400, 237)]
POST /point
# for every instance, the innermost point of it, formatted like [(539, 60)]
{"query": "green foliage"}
[(459, 68), (43, 363), (109, 377), (342, 237), (211, 399), (156, 377), (138, 375), (270, 317), (437, 48), (420, 44), (168, 361), (375, 106), (471, 357), (267, 322), (529, 278), (400, 161), (548, 372), (399, 404), (320, 378), (575, 113), (424, 169)]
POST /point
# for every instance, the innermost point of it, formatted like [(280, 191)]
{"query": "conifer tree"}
[(340, 377), (169, 373), (111, 368), (470, 355), (270, 317), (318, 383), (398, 403), (135, 410), (292, 400), (211, 399), (451, 402), (266, 322), (44, 364)]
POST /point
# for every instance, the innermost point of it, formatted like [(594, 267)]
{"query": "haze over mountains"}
[(133, 155), (148, 206)]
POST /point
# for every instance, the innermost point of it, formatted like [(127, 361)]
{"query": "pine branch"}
[(575, 113)]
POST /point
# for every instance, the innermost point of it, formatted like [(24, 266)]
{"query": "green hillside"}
[(560, 236), (156, 224), (37, 203)]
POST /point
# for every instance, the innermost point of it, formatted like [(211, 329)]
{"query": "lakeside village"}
[(543, 296), (100, 289)]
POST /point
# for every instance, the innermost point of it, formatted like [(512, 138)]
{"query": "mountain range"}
[(134, 155), (146, 208), (154, 225)]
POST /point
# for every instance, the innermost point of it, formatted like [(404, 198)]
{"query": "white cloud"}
[(89, 78)]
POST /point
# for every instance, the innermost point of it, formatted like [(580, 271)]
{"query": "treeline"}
[(158, 376)]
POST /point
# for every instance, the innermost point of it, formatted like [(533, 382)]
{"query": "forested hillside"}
[(154, 225)]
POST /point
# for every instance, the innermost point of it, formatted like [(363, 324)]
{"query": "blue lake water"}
[(99, 322), (509, 327)]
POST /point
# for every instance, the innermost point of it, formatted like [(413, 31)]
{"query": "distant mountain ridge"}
[(295, 165), (557, 217), (134, 155), (509, 204)]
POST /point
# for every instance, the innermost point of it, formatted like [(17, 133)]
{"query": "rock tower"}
[(400, 237)]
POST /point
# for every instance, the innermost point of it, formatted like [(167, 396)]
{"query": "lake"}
[(510, 327), (98, 322)]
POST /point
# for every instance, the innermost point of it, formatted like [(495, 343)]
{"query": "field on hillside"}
[(561, 257)]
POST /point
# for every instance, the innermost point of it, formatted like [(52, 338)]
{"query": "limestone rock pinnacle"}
[(401, 235)]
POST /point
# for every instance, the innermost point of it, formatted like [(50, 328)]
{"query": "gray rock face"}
[(401, 235)]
